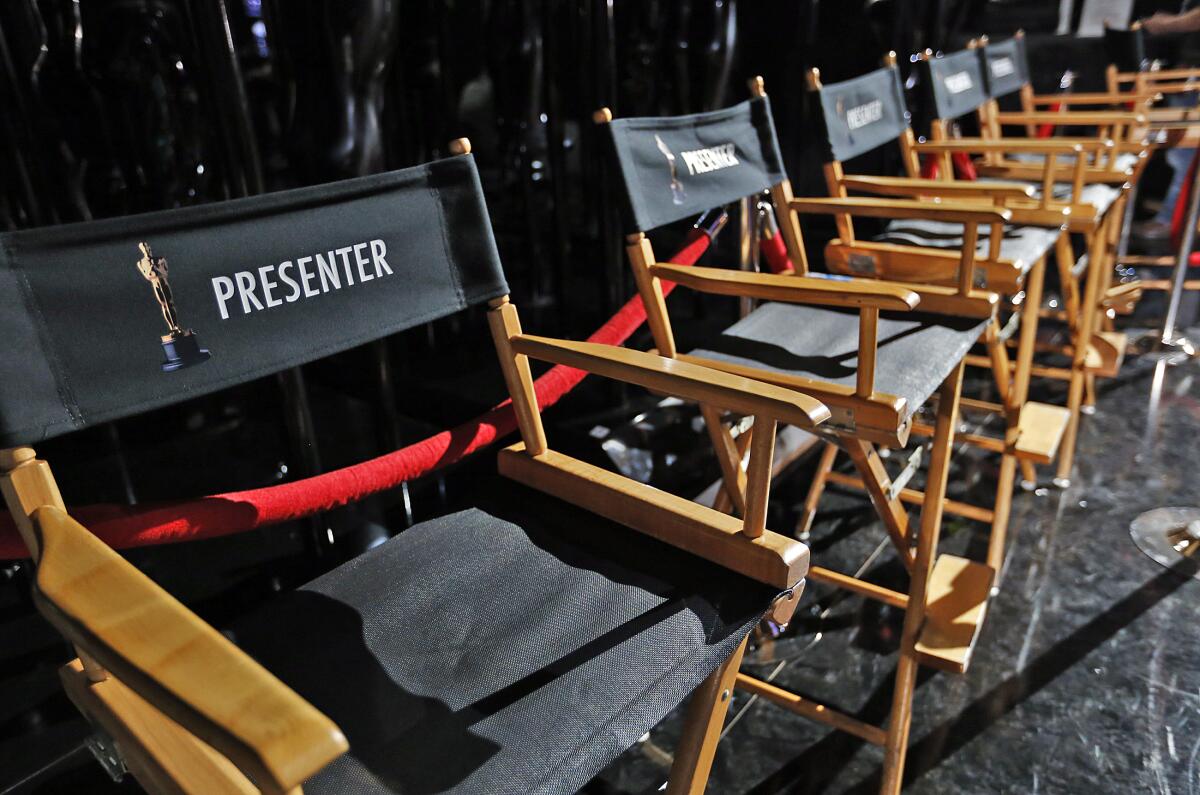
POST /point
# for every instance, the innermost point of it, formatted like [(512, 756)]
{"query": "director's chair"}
[(856, 345), (1092, 187), (515, 648), (861, 115)]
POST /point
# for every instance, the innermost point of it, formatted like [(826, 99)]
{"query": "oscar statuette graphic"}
[(181, 347), (678, 194)]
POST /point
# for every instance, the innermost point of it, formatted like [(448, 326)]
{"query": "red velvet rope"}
[(238, 511)]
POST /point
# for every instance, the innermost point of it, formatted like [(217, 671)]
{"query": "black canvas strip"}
[(677, 167), (863, 113), (252, 287), (956, 83), (1007, 68)]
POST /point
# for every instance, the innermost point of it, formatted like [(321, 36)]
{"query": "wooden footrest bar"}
[(1041, 427), (914, 497), (811, 709), (1040, 371), (957, 602), (860, 587)]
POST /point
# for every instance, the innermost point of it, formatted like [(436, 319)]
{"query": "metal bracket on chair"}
[(906, 474), (840, 421), (104, 748)]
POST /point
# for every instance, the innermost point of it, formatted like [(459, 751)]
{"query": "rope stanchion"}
[(123, 527)]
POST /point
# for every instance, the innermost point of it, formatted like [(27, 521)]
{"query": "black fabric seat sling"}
[(516, 647)]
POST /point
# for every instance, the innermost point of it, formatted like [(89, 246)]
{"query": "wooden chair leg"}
[(729, 458), (702, 728), (816, 489), (876, 482), (1028, 474), (896, 745), (1014, 401), (1064, 256), (1097, 262)]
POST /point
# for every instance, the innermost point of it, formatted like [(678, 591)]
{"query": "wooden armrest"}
[(1072, 117), (1035, 145), (1182, 73), (1093, 98), (790, 289), (186, 669), (1090, 143), (671, 376), (952, 212), (907, 186)]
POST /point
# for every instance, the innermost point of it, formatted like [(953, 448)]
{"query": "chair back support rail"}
[(252, 287)]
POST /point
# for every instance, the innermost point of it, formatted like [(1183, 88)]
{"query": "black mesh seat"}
[(916, 350), (498, 650), (1022, 245)]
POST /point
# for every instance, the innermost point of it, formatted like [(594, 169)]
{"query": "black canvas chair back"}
[(1006, 66), (1126, 48), (677, 167), (107, 319), (863, 113), (956, 84)]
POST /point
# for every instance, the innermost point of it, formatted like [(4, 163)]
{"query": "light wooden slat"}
[(949, 211), (908, 186), (771, 558), (905, 263), (957, 602), (879, 419), (678, 378), (860, 587), (914, 497), (188, 670), (1072, 117), (791, 289), (811, 709)]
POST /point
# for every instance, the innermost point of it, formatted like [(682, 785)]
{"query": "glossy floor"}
[(1086, 677), (1087, 673)]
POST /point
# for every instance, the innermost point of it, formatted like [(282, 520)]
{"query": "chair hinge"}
[(104, 748)]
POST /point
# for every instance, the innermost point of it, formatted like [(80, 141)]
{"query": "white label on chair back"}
[(713, 158), (959, 82), (1003, 67), (865, 114)]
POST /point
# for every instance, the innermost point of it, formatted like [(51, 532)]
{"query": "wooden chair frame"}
[(1087, 305), (191, 712), (861, 418), (1033, 431)]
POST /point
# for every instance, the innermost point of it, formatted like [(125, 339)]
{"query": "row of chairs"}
[(522, 645)]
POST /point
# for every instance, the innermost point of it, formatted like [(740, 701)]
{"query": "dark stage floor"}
[(1086, 677)]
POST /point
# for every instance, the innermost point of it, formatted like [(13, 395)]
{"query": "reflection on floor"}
[(1086, 675)]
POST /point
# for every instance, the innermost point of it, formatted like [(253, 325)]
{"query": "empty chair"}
[(873, 351), (518, 646)]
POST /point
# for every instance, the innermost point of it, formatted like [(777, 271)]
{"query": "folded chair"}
[(517, 647), (1092, 185), (867, 112), (856, 345)]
